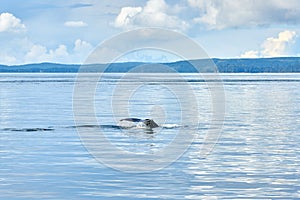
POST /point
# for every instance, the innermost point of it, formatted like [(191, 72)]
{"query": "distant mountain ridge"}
[(259, 65)]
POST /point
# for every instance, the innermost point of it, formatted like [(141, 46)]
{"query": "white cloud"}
[(209, 11), (156, 13), (9, 23), (273, 46), (61, 51), (155, 6), (81, 51), (81, 45), (220, 14), (125, 16), (250, 54), (75, 24), (39, 53), (30, 52)]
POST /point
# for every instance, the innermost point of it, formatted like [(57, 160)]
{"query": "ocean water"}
[(44, 153)]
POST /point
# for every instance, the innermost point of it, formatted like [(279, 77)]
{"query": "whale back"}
[(150, 123), (146, 123)]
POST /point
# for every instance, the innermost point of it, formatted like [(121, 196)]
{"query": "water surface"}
[(257, 155)]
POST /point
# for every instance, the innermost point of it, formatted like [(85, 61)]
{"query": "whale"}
[(142, 123)]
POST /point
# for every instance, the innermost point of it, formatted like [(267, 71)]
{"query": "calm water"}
[(257, 155)]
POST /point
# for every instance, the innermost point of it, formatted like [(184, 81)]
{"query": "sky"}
[(35, 31)]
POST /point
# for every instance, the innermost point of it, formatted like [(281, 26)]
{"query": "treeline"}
[(262, 65)]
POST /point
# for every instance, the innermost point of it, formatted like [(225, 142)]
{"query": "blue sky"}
[(67, 31)]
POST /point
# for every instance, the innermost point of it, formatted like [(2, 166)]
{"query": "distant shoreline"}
[(257, 65)]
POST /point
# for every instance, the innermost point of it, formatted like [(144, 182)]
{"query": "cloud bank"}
[(30, 52), (226, 28), (156, 13), (221, 14), (39, 53)]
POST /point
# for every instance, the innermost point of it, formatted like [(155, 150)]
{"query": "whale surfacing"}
[(143, 123)]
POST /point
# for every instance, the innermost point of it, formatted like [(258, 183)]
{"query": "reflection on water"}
[(257, 155)]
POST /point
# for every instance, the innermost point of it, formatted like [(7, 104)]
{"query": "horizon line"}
[(150, 62)]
